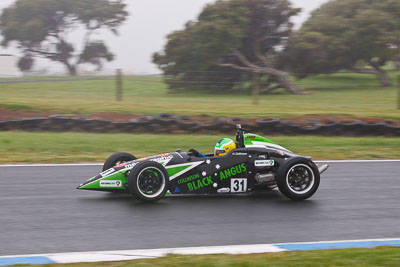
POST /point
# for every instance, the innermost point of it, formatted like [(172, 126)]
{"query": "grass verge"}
[(25, 147), (335, 94), (380, 256)]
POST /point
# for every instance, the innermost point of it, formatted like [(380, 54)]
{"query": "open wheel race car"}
[(256, 164)]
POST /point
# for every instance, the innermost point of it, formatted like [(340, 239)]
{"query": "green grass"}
[(341, 93), (380, 256), (24, 147)]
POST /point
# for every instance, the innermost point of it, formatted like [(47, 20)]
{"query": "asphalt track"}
[(41, 212)]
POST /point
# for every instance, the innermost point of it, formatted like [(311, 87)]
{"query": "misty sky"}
[(146, 29)]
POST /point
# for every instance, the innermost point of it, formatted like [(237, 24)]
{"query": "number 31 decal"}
[(238, 185)]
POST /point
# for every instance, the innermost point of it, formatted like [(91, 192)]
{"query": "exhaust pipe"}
[(323, 168), (264, 178)]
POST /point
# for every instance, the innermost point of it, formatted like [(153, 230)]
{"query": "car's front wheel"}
[(148, 181), (298, 179), (116, 159)]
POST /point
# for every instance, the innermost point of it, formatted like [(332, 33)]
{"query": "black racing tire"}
[(290, 170), (117, 158), (147, 177)]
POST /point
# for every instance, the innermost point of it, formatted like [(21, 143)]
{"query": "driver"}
[(224, 146)]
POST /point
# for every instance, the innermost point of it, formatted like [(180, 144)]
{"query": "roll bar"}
[(239, 136)]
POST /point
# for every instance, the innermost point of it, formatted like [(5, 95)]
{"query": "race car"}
[(256, 164)]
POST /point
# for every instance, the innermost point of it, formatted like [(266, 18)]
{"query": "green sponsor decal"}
[(228, 173), (200, 183), (195, 182), (188, 179)]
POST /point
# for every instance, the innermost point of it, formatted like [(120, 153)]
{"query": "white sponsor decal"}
[(238, 185), (163, 160), (130, 165), (107, 172), (239, 154), (224, 190), (264, 163), (110, 183)]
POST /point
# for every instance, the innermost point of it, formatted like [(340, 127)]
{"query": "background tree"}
[(25, 63), (230, 43), (357, 35), (42, 27)]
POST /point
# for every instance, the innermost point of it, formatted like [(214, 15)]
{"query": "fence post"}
[(118, 80), (256, 88)]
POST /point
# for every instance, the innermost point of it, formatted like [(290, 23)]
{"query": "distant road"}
[(42, 212)]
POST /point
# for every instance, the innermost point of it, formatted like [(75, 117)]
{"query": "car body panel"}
[(195, 175)]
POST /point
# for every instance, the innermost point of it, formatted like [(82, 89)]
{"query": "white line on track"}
[(121, 255), (342, 241), (53, 165), (100, 164), (357, 161)]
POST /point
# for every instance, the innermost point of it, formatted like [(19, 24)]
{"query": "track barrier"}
[(167, 123)]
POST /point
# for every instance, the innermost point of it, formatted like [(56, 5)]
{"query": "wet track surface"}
[(41, 212)]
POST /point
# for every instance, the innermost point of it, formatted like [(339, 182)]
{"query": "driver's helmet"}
[(224, 146)]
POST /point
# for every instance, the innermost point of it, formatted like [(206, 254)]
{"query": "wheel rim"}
[(151, 182), (300, 179)]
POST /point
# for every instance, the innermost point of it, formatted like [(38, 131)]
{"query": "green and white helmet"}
[(224, 146)]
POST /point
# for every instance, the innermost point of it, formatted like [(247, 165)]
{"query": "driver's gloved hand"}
[(196, 153), (193, 152)]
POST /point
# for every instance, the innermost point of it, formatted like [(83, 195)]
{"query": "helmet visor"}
[(219, 151)]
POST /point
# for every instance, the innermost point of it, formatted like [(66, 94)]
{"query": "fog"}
[(146, 29)]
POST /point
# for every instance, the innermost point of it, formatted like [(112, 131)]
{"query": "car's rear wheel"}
[(148, 181), (298, 179), (116, 159)]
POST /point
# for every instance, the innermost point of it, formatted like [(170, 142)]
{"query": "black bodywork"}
[(216, 173)]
